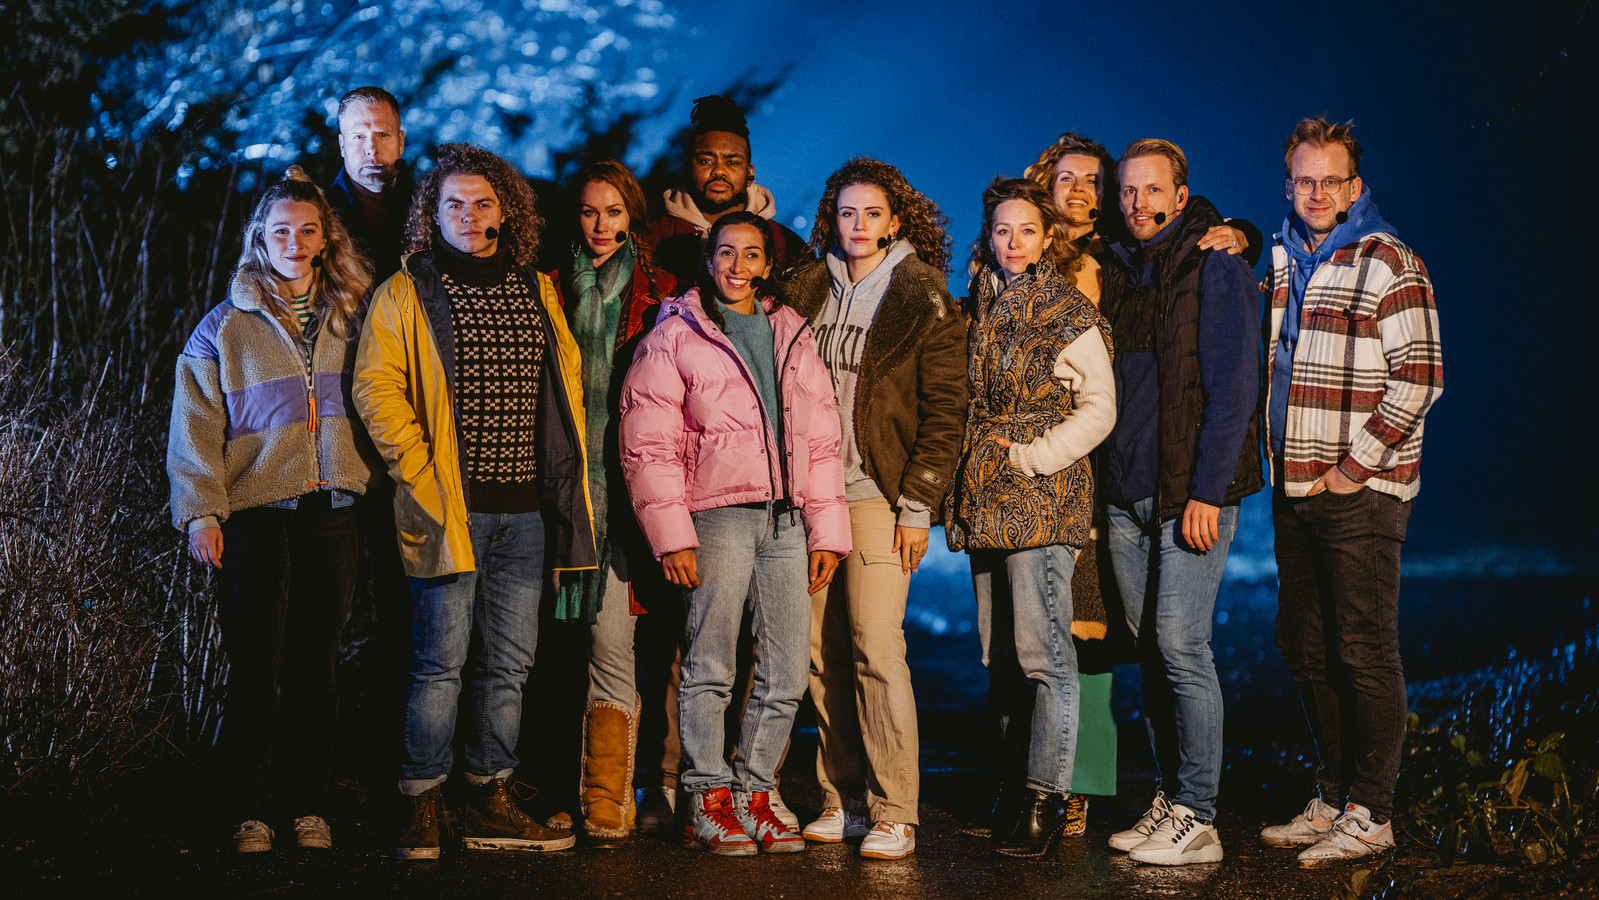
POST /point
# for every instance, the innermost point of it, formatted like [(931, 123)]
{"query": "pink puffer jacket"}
[(694, 436)]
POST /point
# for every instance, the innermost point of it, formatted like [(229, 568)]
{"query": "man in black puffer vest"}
[(1185, 451)]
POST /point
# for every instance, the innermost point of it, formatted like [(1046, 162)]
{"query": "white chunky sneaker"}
[(1159, 811), (1306, 828), (781, 810), (889, 840), (1178, 840), (1353, 836), (835, 824)]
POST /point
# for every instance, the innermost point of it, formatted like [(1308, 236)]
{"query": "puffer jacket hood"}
[(694, 435)]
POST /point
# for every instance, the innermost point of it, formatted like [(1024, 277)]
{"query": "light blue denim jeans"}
[(747, 557), (1169, 591), (500, 601), (1030, 591)]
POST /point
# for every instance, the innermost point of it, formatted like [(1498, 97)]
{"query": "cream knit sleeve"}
[(1083, 368)]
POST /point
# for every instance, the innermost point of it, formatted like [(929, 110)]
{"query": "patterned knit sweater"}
[(499, 359)]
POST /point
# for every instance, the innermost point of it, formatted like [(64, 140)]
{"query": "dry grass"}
[(108, 641)]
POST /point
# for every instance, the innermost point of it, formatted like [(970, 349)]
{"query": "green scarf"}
[(593, 316)]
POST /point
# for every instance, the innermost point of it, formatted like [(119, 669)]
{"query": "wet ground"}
[(1497, 657)]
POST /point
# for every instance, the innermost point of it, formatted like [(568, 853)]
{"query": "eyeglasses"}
[(1330, 184)]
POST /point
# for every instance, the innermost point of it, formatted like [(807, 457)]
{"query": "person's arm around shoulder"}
[(1083, 369), (1407, 323)]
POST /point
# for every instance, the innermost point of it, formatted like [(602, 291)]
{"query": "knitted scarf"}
[(593, 316)]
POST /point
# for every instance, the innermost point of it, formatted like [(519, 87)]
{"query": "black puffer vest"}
[(1173, 298)]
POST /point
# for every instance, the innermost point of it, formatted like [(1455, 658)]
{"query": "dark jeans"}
[(1338, 628), (289, 575)]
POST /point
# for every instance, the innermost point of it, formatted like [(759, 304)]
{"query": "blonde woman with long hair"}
[(266, 458)]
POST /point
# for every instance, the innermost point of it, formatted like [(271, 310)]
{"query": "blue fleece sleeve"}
[(1229, 365)]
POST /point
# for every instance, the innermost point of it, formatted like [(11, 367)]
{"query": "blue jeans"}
[(747, 556), (500, 601), (1024, 620), (1169, 591)]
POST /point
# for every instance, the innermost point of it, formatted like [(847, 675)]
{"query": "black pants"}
[(289, 575), (1338, 629)]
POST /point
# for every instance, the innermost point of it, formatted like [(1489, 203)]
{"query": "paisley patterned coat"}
[(1016, 335)]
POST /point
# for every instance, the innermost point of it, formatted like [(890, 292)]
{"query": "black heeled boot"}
[(1037, 828)]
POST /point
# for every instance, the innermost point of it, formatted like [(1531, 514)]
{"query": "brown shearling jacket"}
[(910, 403)]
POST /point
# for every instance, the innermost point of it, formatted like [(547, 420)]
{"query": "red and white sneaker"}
[(714, 825), (762, 824)]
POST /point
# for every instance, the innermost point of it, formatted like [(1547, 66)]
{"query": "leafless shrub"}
[(107, 639)]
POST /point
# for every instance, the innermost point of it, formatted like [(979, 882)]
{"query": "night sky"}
[(1468, 152)]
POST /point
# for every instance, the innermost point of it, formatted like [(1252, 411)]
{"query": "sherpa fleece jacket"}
[(246, 428)]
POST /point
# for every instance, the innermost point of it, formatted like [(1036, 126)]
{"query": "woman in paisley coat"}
[(1042, 397)]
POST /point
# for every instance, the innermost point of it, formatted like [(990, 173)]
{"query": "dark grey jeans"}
[(1338, 629)]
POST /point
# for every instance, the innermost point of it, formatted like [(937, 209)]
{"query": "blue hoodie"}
[(1364, 219)]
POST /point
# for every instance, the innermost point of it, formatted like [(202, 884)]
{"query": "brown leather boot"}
[(420, 838), (494, 822), (610, 734)]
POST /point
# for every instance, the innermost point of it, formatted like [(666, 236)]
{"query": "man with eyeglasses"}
[(1355, 365)]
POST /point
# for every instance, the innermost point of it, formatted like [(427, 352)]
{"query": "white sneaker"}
[(1352, 837), (835, 824), (1159, 811), (781, 810), (1178, 840), (313, 832), (1305, 829), (252, 836), (889, 840)]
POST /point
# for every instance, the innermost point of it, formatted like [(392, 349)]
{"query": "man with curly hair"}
[(469, 382), (719, 179)]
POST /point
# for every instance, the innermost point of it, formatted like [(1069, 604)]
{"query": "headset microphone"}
[(882, 243), (1342, 217), (316, 261), (756, 282), (1032, 268), (621, 237), (1160, 218), (491, 232), (1093, 212)]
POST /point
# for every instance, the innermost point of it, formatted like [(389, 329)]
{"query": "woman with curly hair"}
[(895, 347), (1043, 397), (730, 448), (609, 287), (266, 458), (469, 381)]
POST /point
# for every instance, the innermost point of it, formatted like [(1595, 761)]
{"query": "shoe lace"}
[(723, 815), (1179, 827)]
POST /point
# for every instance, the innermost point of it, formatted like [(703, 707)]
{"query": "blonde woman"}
[(266, 459)]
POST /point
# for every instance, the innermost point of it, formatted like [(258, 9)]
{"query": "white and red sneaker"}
[(762, 824), (714, 825)]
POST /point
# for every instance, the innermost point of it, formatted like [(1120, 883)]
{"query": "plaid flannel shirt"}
[(1366, 368)]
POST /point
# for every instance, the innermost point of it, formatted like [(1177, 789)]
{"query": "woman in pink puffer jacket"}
[(730, 447)]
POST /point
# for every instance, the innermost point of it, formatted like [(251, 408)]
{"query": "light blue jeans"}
[(500, 601), (747, 557), (1024, 619), (1169, 591)]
